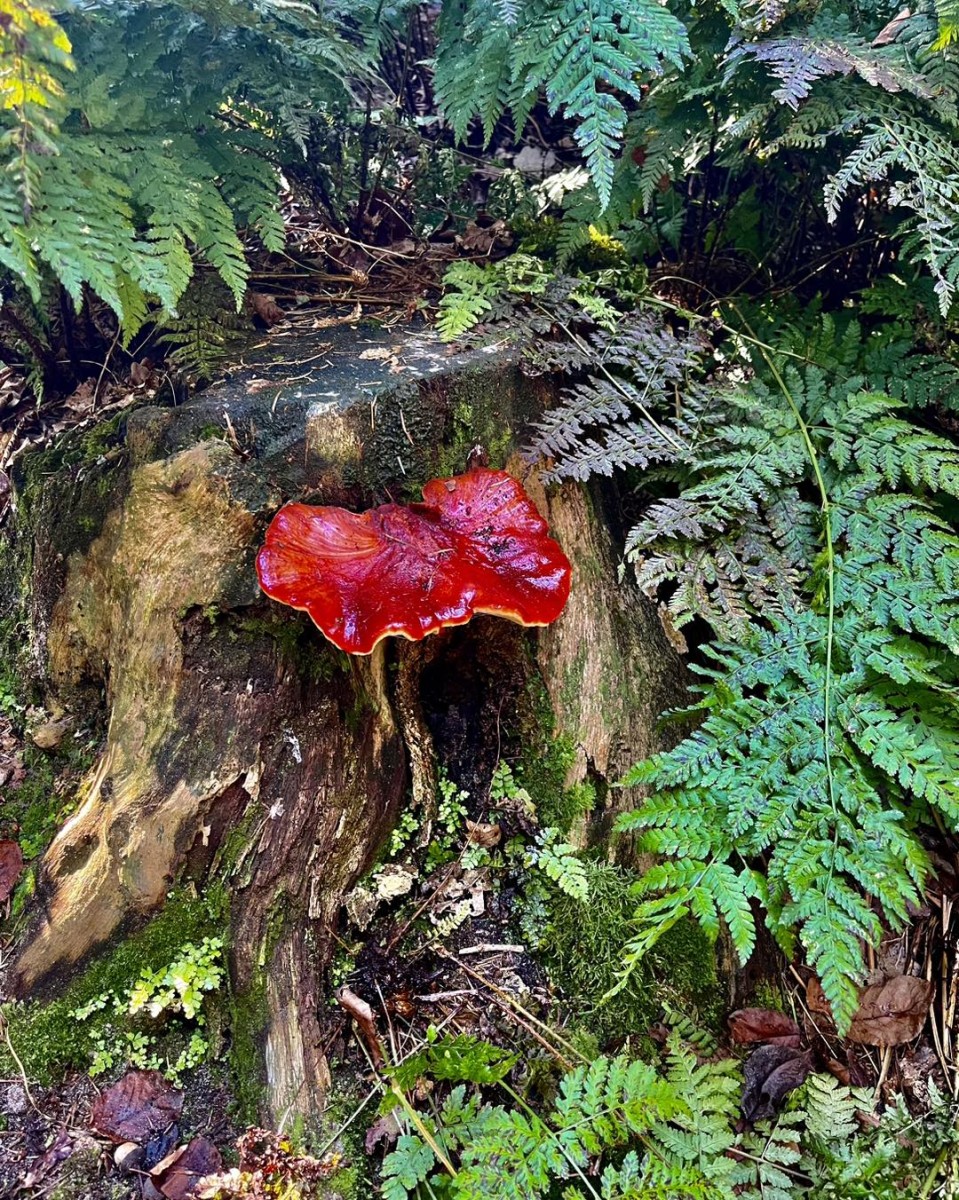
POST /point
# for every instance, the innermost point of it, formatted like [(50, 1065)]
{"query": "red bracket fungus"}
[(476, 545)]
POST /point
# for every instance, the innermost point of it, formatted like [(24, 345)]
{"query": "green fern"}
[(468, 294), (621, 1129), (460, 1059), (560, 862), (824, 729), (586, 55), (682, 1119), (34, 53), (472, 292), (827, 725), (206, 331), (161, 146)]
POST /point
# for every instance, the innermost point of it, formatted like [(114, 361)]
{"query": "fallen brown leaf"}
[(890, 1012), (479, 240), (67, 1143), (362, 1014), (138, 1106), (11, 864), (178, 1175), (479, 833), (81, 399), (50, 734), (763, 1025), (266, 308), (384, 1129)]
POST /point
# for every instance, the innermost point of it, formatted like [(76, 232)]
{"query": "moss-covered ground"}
[(48, 1039)]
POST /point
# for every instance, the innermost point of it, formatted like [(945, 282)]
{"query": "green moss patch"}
[(248, 1021), (48, 1039), (581, 945)]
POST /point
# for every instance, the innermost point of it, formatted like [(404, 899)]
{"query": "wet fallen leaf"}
[(362, 1014), (770, 1073), (160, 1145), (64, 1146), (384, 1129), (266, 308), (479, 833), (11, 864), (890, 1012), (140, 1104), (178, 1175), (763, 1025)]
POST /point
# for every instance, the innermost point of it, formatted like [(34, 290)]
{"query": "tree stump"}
[(240, 745)]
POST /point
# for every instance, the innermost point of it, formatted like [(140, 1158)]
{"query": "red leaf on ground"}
[(140, 1105), (763, 1025), (179, 1173), (11, 864)]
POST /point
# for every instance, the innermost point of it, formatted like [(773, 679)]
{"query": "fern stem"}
[(930, 1181), (578, 341), (551, 1134), (421, 1129), (830, 579)]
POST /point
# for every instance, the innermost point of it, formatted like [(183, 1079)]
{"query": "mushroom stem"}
[(412, 657)]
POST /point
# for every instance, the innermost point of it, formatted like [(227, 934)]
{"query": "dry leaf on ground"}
[(362, 1014), (890, 1013), (179, 1173)]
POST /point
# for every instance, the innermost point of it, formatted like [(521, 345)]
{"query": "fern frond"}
[(577, 49), (797, 62)]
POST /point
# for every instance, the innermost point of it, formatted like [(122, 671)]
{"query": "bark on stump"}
[(239, 743)]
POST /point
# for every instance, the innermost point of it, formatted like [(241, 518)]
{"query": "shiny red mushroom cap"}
[(476, 545)]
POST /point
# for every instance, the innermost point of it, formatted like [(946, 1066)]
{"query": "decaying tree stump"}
[(241, 745)]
